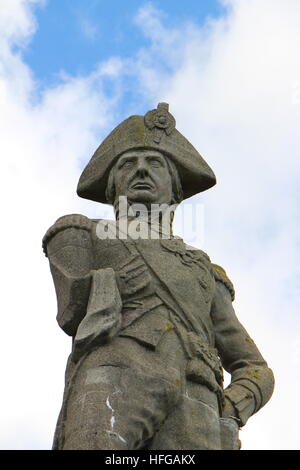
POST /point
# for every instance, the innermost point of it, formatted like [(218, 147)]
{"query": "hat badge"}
[(160, 121)]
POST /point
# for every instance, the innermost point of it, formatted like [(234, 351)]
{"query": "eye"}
[(126, 164), (154, 162)]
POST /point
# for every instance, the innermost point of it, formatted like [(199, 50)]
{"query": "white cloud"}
[(88, 28), (231, 86), (17, 22)]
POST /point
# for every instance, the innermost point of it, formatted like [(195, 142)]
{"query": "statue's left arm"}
[(252, 381)]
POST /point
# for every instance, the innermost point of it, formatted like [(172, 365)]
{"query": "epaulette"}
[(64, 222), (221, 276)]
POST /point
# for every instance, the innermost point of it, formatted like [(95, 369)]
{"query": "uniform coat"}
[(155, 380)]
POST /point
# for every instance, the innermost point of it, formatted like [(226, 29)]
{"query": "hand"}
[(228, 410)]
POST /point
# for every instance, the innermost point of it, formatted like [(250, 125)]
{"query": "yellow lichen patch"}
[(220, 270), (169, 326), (255, 374), (249, 340)]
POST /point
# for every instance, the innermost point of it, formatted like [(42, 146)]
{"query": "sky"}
[(70, 71)]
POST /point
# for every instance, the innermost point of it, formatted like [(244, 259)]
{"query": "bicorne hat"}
[(156, 130)]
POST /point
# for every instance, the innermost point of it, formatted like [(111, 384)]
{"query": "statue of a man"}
[(151, 318)]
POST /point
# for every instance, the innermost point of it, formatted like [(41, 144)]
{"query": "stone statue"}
[(151, 319)]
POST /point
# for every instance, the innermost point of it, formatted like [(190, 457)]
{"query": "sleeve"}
[(68, 245), (252, 381)]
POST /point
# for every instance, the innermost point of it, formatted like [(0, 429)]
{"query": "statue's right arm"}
[(68, 245)]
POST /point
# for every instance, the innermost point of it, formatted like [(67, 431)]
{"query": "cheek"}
[(120, 182), (164, 184), (168, 187), (165, 180)]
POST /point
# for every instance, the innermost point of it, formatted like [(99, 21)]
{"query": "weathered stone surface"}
[(151, 318), (103, 316)]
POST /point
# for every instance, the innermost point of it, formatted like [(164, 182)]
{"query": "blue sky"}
[(70, 70), (74, 35)]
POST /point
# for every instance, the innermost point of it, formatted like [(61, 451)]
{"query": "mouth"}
[(142, 185)]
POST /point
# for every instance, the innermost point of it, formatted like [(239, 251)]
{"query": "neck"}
[(159, 220)]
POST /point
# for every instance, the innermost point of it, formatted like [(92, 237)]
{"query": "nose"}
[(142, 170)]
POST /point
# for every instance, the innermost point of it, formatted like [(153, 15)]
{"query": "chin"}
[(142, 196)]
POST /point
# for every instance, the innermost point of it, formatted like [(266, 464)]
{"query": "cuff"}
[(242, 401), (67, 221)]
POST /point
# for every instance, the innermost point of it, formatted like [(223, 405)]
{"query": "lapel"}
[(176, 283), (175, 280)]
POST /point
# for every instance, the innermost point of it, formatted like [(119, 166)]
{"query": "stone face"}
[(151, 318)]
